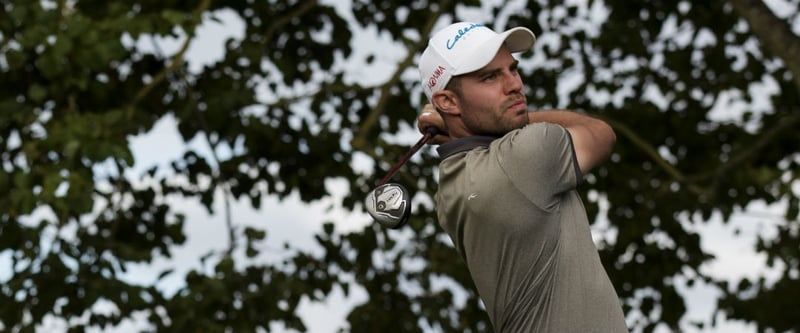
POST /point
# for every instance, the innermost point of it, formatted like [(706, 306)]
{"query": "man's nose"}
[(513, 83)]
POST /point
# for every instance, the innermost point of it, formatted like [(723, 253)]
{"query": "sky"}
[(295, 222)]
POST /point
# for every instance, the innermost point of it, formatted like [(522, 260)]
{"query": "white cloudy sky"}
[(295, 222)]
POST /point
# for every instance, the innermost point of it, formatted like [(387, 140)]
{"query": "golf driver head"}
[(389, 204)]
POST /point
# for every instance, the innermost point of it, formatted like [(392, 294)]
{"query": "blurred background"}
[(199, 166)]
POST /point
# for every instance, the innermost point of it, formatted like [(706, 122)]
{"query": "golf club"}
[(390, 203)]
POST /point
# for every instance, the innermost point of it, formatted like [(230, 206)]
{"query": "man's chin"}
[(523, 115)]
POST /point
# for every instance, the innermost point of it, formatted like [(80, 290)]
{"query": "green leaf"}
[(50, 65), (15, 59), (37, 93), (174, 17), (61, 47)]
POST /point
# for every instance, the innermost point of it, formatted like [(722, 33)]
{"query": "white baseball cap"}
[(465, 47)]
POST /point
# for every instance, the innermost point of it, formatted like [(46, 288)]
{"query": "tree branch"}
[(360, 140), (334, 88), (177, 59), (281, 21), (175, 66), (788, 123), (774, 33), (650, 151)]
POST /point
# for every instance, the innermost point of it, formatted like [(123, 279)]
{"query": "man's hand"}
[(429, 117)]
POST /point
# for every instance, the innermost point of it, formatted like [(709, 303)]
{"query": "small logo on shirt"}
[(472, 196)]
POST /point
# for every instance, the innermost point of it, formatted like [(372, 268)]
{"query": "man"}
[(507, 186)]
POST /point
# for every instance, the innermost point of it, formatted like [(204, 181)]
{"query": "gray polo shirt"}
[(510, 207)]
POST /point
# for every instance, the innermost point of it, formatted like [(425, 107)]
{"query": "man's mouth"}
[(520, 106)]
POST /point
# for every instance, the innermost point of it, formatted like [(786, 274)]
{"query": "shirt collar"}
[(463, 144)]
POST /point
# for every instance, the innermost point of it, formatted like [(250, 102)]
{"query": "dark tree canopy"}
[(681, 82)]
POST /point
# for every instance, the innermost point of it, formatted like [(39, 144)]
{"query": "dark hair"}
[(454, 85)]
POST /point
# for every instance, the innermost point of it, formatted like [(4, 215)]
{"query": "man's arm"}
[(592, 138)]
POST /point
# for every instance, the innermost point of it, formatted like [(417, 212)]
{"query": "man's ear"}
[(446, 101)]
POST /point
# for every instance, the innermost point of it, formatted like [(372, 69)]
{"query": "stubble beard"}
[(500, 123)]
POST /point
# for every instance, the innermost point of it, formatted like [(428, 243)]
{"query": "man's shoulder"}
[(534, 138)]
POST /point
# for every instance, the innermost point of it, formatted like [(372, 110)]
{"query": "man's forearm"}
[(592, 138), (564, 118)]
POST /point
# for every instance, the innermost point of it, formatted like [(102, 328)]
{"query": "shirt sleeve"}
[(540, 161)]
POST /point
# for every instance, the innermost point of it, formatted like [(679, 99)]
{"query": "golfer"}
[(507, 186)]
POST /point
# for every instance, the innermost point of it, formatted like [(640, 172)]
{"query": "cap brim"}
[(517, 39)]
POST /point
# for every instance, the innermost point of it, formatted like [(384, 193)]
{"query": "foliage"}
[(76, 85)]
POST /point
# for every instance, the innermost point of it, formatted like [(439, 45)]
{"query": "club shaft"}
[(428, 135)]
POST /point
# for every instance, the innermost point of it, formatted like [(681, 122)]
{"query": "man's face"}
[(492, 99)]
